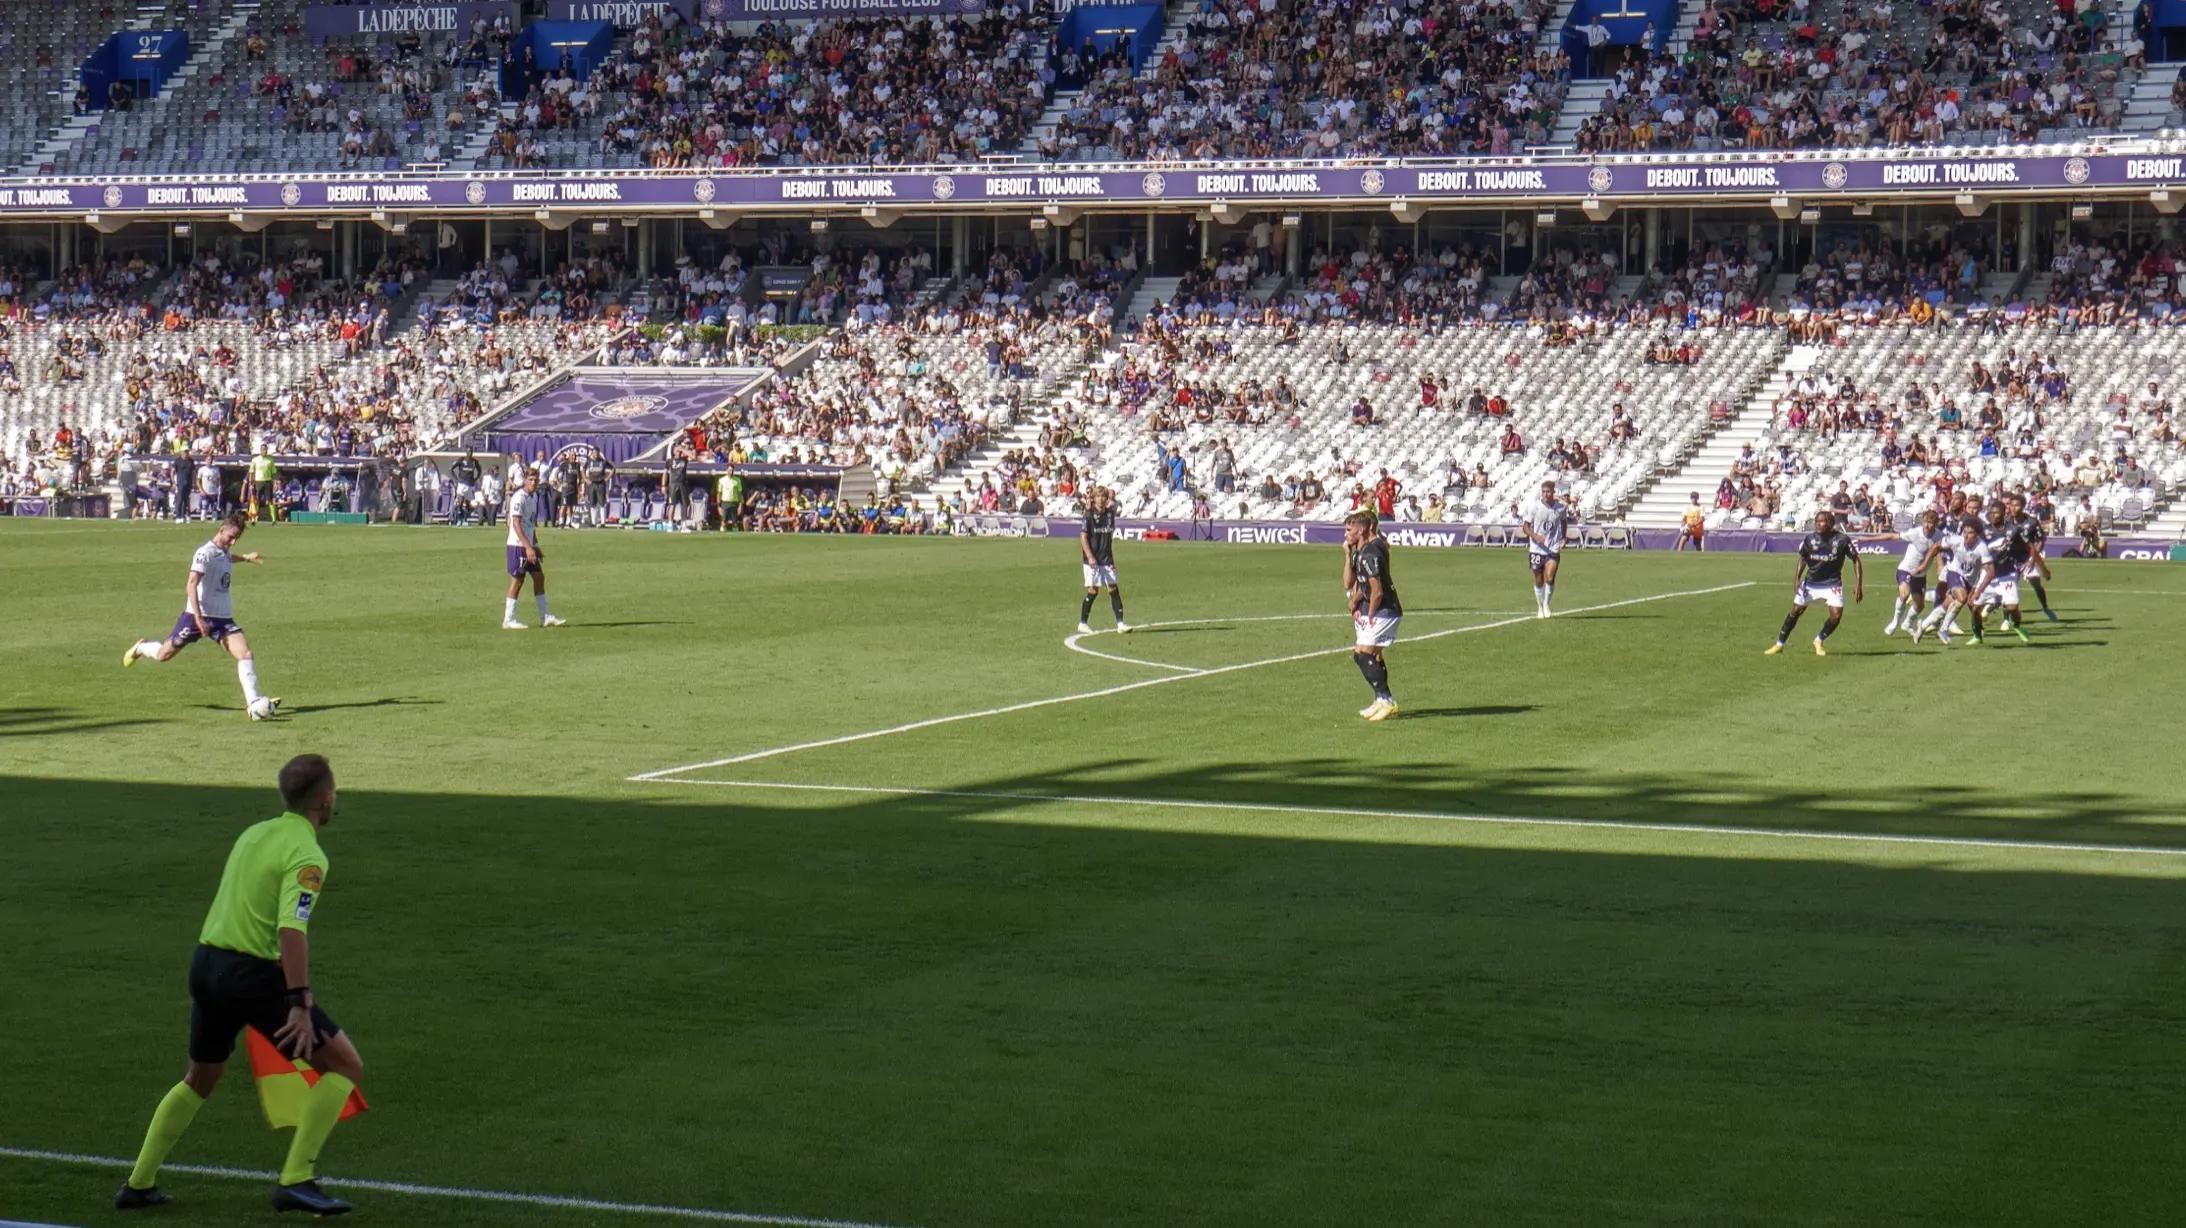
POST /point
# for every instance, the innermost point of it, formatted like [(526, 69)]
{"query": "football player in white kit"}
[(1547, 521), (1967, 570), (526, 509), (1920, 542), (209, 613)]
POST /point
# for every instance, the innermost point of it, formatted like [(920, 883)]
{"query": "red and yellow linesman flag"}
[(283, 1080)]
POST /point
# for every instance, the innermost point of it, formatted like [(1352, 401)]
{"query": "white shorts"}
[(1103, 576), (1831, 595), (1378, 631), (2004, 590)]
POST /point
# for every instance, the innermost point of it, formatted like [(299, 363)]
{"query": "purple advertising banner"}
[(622, 405), (630, 14), (453, 18), (1482, 183)]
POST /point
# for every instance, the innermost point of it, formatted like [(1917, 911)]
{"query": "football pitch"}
[(827, 880)]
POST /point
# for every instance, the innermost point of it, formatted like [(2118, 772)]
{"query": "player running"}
[(1375, 610), (1920, 543), (525, 509), (1097, 550), (209, 613), (1821, 578), (1547, 522), (2036, 565), (1967, 570)]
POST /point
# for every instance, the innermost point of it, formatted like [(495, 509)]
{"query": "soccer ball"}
[(261, 709)]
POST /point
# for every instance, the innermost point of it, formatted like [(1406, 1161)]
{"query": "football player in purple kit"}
[(209, 613)]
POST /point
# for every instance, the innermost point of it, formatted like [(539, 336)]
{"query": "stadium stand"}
[(269, 97), (871, 91), (1764, 74), (1254, 79), (1880, 421), (1474, 417), (912, 400)]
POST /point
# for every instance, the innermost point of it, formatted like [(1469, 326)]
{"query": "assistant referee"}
[(253, 967)]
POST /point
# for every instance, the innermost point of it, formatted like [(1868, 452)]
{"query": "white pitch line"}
[(1143, 683), (555, 1201), (1073, 640), (2055, 591), (1445, 816)]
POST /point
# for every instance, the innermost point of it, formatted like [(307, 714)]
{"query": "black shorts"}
[(230, 991)]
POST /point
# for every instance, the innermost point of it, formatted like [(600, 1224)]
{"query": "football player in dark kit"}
[(2034, 566), (1371, 590), (2008, 551), (597, 473), (1822, 557), (1097, 551)]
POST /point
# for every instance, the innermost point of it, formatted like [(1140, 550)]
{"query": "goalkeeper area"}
[(839, 881)]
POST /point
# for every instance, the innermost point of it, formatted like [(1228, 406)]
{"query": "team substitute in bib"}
[(1375, 610), (1097, 551), (1822, 557), (1547, 521), (208, 612), (253, 969), (525, 510)]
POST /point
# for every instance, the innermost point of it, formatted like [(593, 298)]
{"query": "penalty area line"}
[(554, 1201), (1485, 820), (1143, 683)]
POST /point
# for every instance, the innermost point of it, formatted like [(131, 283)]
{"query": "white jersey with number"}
[(1550, 522), (215, 572), (1967, 560), (1917, 541), (524, 511)]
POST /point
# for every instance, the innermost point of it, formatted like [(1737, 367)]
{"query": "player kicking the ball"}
[(209, 613), (525, 510), (1375, 611), (1821, 578), (1547, 522), (1097, 550)]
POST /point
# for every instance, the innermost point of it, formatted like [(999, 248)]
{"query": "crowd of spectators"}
[(1322, 78), (843, 92), (1785, 74), (896, 397), (1927, 441)]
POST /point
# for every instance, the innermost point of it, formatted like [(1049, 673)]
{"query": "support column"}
[(1651, 243), (959, 239), (2026, 236)]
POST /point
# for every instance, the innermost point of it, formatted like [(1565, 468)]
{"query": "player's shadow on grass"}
[(1413, 714), (46, 722), (302, 709), (650, 622), (1185, 988)]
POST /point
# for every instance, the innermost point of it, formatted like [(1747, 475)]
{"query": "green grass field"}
[(1206, 951)]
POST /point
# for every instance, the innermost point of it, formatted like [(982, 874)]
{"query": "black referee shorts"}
[(230, 991)]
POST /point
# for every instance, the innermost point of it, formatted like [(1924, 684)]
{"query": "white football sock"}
[(1548, 594), (540, 600), (246, 670), (148, 650), (1897, 611), (508, 610)]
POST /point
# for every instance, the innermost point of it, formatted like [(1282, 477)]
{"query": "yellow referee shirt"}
[(273, 880)]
